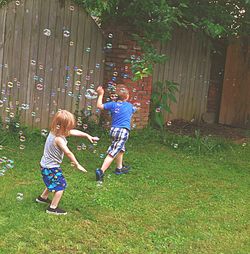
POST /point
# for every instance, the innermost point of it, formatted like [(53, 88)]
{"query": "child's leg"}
[(56, 199), (119, 159), (108, 160), (45, 193)]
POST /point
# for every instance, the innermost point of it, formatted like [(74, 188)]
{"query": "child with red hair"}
[(62, 126)]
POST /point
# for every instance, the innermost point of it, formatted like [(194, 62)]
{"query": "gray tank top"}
[(52, 155)]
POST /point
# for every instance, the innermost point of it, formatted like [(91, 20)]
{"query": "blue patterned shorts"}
[(53, 179), (119, 137)]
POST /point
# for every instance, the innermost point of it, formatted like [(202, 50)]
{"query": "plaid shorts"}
[(119, 137), (53, 179)]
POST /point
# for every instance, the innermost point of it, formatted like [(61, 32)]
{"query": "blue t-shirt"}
[(121, 113)]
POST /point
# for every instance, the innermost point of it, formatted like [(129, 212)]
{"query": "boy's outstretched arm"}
[(82, 134), (63, 146), (100, 92)]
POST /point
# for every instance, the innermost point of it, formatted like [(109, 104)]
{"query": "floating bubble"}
[(66, 33), (1, 147), (39, 87), (17, 125), (97, 66), (78, 83), (19, 196), (33, 62), (71, 43), (25, 106), (47, 32), (44, 132), (90, 94), (102, 155), (175, 146), (158, 110), (83, 146), (18, 2), (10, 84), (134, 90), (110, 35), (22, 147), (89, 108), (12, 114), (1, 103), (85, 126), (79, 148), (72, 8), (169, 123), (40, 67), (109, 45), (79, 71), (22, 138), (88, 50), (87, 77)]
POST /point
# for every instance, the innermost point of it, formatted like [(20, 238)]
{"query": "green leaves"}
[(163, 95)]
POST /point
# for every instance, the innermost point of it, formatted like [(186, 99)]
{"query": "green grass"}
[(173, 200)]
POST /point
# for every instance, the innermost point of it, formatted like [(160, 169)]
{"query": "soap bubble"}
[(66, 33), (22, 138), (90, 94), (18, 2), (10, 84), (39, 87), (44, 132), (79, 71), (109, 45), (22, 147), (19, 196), (47, 32), (169, 123)]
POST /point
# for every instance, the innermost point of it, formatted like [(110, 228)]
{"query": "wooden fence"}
[(51, 54), (235, 103), (189, 66)]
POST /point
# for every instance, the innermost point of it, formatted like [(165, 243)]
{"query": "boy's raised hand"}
[(100, 90)]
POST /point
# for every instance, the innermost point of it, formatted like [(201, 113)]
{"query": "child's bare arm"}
[(63, 146), (82, 134), (100, 92)]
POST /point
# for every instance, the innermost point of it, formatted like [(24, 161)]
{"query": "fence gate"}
[(51, 57), (235, 103)]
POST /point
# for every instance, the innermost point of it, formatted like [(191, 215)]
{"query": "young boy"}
[(62, 126), (121, 113)]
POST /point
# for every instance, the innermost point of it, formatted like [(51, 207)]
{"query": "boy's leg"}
[(45, 193), (119, 159), (108, 160), (56, 199)]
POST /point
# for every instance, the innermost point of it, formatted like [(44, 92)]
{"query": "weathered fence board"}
[(42, 65), (189, 66)]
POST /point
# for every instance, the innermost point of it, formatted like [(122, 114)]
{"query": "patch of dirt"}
[(182, 127)]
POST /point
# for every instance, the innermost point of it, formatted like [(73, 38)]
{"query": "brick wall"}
[(120, 46)]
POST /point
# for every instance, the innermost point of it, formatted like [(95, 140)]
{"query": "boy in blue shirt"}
[(121, 113)]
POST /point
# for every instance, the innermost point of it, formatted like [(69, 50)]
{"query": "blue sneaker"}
[(123, 170), (99, 175)]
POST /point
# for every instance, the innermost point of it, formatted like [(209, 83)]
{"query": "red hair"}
[(62, 123)]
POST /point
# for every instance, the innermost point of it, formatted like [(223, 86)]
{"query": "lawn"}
[(172, 201)]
